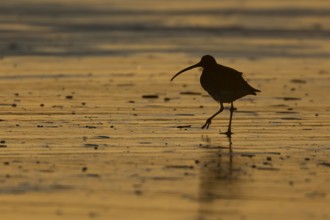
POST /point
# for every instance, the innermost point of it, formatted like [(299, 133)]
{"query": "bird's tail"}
[(253, 90)]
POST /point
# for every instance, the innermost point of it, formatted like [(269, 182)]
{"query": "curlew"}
[(223, 83)]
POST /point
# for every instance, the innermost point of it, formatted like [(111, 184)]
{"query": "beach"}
[(91, 127)]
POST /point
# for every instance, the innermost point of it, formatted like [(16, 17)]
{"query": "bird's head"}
[(206, 61)]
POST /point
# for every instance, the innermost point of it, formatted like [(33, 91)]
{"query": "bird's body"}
[(223, 83)]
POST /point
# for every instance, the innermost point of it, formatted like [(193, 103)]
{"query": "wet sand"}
[(92, 128)]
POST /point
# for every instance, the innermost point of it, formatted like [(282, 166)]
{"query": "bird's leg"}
[(228, 132), (209, 120)]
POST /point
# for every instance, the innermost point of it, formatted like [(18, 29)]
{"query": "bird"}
[(224, 84)]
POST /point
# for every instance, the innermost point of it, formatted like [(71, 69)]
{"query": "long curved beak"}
[(188, 68)]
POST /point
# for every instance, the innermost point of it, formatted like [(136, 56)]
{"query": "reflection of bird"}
[(223, 83), (220, 180)]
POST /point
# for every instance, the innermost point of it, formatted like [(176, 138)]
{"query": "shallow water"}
[(91, 126)]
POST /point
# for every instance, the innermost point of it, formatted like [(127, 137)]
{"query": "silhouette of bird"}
[(223, 83)]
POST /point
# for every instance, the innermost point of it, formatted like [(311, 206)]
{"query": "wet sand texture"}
[(92, 128)]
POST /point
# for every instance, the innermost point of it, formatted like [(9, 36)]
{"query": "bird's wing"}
[(234, 80)]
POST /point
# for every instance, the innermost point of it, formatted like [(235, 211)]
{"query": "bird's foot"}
[(207, 124), (228, 133)]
